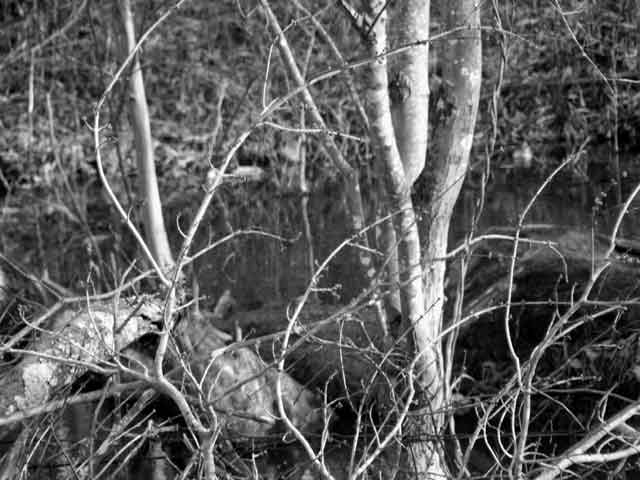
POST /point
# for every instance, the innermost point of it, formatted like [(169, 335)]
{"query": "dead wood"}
[(235, 384), (344, 350), (241, 387), (79, 339)]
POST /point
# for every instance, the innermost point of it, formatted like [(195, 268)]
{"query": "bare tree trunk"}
[(425, 459), (448, 160), (409, 88), (409, 94), (449, 152), (400, 142), (388, 243), (155, 232)]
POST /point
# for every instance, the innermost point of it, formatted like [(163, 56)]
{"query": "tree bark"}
[(447, 164), (425, 458), (78, 339), (155, 232), (400, 143), (448, 157), (234, 389), (409, 88)]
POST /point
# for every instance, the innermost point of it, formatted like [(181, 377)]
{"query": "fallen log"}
[(240, 387), (334, 348), (78, 340), (235, 384)]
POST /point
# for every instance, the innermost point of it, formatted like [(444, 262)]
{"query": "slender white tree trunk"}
[(155, 232), (409, 88), (425, 459), (447, 163), (398, 111)]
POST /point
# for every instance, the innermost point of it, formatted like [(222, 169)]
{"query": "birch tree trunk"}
[(447, 163), (425, 460), (448, 158), (409, 95), (409, 88), (397, 108), (155, 232)]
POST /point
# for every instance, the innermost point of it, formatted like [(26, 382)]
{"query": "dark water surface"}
[(261, 270)]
